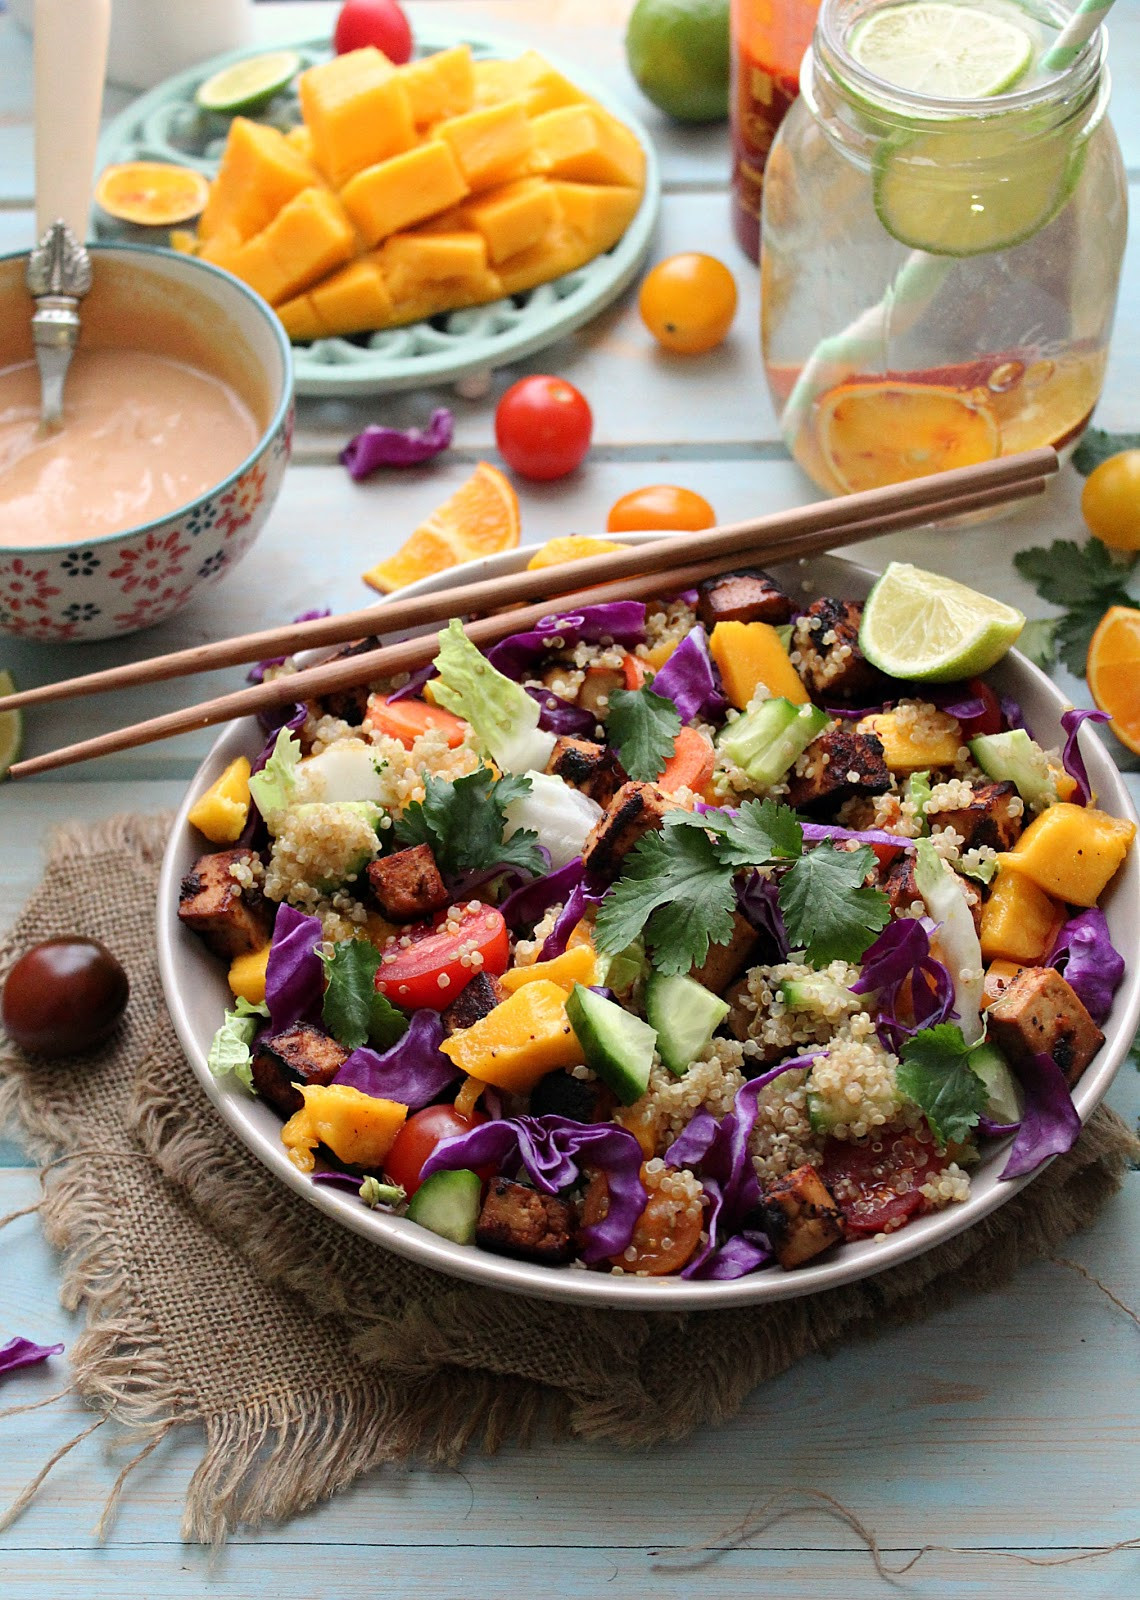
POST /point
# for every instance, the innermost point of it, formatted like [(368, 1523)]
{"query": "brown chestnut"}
[(64, 997)]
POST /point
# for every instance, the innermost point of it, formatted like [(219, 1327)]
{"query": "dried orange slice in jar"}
[(152, 194), (1113, 672), (877, 433), (480, 519)]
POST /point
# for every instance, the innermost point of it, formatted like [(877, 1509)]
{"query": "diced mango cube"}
[(416, 261), (221, 812), (751, 654), (299, 319), (576, 965), (491, 144), (222, 247), (1019, 920), (1072, 851), (513, 216), (909, 746), (440, 85), (405, 190), (558, 251), (356, 108), (260, 172), (526, 1036), (529, 77), (358, 1128), (598, 213), (247, 974), (354, 300), (306, 239), (999, 975), (586, 145), (301, 140)]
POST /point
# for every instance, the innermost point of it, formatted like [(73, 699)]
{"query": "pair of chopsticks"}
[(499, 606)]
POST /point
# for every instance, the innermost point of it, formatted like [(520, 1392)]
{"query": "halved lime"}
[(954, 52), (11, 726), (921, 625), (248, 85)]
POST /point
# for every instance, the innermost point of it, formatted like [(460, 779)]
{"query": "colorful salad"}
[(666, 938)]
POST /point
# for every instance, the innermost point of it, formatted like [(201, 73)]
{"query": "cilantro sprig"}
[(353, 1011), (934, 1072), (1083, 579), (643, 728), (463, 822)]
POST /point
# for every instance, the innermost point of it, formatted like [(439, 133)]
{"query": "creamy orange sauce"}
[(142, 435)]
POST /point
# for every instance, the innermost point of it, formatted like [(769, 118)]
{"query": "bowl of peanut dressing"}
[(176, 432)]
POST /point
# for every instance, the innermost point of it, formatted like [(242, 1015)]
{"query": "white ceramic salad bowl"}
[(194, 982)]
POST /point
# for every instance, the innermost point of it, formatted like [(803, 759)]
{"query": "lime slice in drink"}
[(248, 85), (951, 51), (11, 726), (920, 625)]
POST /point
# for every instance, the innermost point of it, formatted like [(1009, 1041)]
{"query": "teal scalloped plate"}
[(166, 125)]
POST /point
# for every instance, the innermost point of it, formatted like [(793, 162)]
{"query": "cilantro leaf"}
[(643, 727), (1038, 641), (935, 1073), (1097, 446), (675, 889), (1084, 580), (463, 822), (352, 1011), (827, 911), (762, 831)]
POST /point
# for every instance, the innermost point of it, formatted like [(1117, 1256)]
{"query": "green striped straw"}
[(1076, 33)]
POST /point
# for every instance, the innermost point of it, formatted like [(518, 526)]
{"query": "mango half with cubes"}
[(408, 192)]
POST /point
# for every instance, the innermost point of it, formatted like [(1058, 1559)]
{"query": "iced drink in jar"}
[(943, 227)]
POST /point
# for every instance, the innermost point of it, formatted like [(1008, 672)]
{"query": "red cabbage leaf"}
[(518, 654), (413, 1072), (397, 447), (1050, 1124), (23, 1353), (689, 678), (1071, 757), (1085, 953), (295, 975)]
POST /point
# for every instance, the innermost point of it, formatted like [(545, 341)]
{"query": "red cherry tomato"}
[(378, 22), (987, 721), (418, 1138), (430, 971), (543, 427), (878, 1189)]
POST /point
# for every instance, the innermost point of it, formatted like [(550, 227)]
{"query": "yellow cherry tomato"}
[(1110, 501), (688, 302), (660, 505)]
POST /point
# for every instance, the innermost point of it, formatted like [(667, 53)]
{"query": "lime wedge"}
[(248, 85), (951, 51), (920, 625), (11, 726)]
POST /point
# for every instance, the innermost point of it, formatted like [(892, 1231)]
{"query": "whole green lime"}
[(678, 51)]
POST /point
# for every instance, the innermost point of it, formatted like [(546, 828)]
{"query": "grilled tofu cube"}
[(800, 1216), (231, 919), (994, 817), (282, 1065), (725, 962), (831, 662), (407, 885), (561, 1094), (750, 596), (634, 811), (1040, 1013), (899, 885), (517, 1221), (476, 1000), (838, 764), (350, 705), (593, 768)]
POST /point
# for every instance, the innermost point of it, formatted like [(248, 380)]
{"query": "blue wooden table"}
[(1009, 1428)]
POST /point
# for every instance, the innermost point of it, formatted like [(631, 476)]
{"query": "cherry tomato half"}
[(660, 505), (878, 1182), (377, 22), (418, 1138), (1110, 501), (430, 971), (543, 427), (688, 302), (64, 996), (987, 721)]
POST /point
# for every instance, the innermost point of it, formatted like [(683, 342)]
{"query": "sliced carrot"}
[(691, 764), (634, 671), (406, 720)]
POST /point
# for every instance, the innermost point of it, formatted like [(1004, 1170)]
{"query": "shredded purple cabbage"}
[(256, 673), (295, 975), (758, 899), (23, 1353), (272, 720), (902, 952), (562, 716), (397, 447), (336, 1180), (623, 621), (1071, 757), (1050, 1124), (530, 903), (1085, 953), (822, 832), (568, 919), (1012, 715), (414, 684), (689, 678), (552, 1150), (413, 1072)]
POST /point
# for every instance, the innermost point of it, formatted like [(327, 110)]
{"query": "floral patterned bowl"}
[(122, 582)]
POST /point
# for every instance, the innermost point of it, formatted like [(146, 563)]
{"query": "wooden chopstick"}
[(350, 672), (472, 599)]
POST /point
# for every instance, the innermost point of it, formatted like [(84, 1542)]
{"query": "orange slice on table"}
[(154, 194), (877, 433), (1113, 672), (480, 519)]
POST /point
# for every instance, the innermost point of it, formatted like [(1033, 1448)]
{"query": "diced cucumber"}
[(918, 790), (616, 1044), (816, 993), (623, 972), (1015, 758), (685, 1015), (769, 737), (1006, 1102), (448, 1204)]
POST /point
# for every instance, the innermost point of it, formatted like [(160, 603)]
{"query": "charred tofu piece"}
[(725, 962), (289, 1061), (831, 663), (634, 811), (597, 686), (973, 897), (476, 1000), (517, 1221), (837, 765), (584, 764), (561, 1094), (800, 1216), (748, 596), (407, 885), (231, 919), (1040, 1013), (994, 817), (350, 705), (899, 885)]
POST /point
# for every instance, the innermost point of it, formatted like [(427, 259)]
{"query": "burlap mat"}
[(214, 1297)]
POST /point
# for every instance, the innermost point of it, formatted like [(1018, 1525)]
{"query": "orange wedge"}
[(570, 547), (878, 433), (1113, 672), (480, 519), (154, 194)]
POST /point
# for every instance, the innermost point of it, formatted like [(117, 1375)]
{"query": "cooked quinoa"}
[(854, 1081), (318, 848), (761, 1010)]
